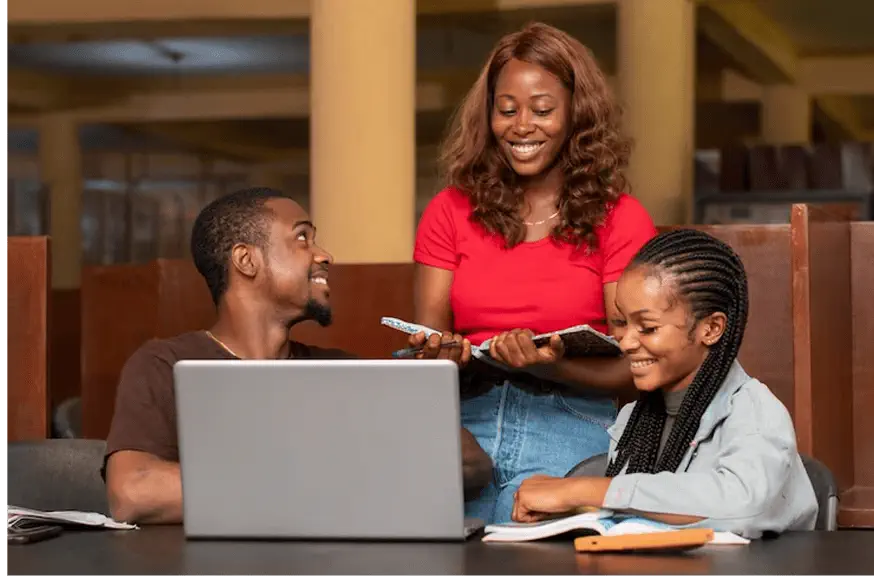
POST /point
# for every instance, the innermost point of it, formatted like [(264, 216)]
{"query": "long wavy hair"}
[(592, 160)]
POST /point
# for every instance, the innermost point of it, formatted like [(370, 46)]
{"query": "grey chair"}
[(824, 486), (592, 467), (67, 419), (826, 489), (57, 474)]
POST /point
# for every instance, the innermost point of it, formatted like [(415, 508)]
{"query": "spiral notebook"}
[(579, 340)]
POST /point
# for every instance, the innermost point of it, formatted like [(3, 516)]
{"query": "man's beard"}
[(318, 312)]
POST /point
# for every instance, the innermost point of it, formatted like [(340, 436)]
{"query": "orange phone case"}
[(668, 540)]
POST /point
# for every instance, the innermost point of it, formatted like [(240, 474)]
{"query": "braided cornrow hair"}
[(707, 274)]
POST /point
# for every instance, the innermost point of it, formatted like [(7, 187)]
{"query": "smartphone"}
[(31, 532)]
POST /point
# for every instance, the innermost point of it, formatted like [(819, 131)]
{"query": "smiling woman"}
[(555, 123), (529, 237), (705, 445)]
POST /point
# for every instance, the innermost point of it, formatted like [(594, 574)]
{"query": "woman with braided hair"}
[(705, 445)]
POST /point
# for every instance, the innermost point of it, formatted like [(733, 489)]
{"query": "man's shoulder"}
[(194, 345), (197, 345)]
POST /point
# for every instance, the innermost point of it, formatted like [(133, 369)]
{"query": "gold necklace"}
[(222, 344), (539, 222)]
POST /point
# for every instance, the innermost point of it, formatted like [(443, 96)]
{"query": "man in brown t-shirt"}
[(256, 249)]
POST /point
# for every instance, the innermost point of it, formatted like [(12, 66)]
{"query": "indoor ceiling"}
[(445, 42), (816, 27), (441, 43), (234, 55), (866, 109), (824, 27)]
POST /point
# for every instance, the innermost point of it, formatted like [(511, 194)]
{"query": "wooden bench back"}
[(29, 273)]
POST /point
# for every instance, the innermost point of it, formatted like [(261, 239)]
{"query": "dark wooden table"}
[(164, 550)]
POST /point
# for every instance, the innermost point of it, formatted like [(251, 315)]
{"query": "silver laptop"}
[(321, 449)]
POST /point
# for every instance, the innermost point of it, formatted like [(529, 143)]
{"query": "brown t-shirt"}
[(145, 405)]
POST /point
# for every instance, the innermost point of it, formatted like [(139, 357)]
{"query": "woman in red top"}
[(531, 237)]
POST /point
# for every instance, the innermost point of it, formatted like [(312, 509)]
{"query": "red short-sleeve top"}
[(541, 285)]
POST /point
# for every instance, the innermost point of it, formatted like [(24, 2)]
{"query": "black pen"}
[(406, 352)]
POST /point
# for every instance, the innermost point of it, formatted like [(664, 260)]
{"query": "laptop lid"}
[(335, 449)]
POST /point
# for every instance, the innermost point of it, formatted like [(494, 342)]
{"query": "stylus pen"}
[(406, 352)]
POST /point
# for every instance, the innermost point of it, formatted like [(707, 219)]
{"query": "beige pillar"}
[(656, 66), (363, 150), (786, 115), (61, 171)]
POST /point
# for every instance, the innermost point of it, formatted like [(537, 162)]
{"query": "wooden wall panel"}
[(119, 310), (28, 319), (123, 306), (65, 331), (184, 301), (862, 260), (857, 505), (823, 339), (360, 296)]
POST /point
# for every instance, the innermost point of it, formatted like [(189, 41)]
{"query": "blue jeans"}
[(528, 433)]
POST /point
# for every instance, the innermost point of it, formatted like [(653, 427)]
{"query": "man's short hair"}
[(239, 217)]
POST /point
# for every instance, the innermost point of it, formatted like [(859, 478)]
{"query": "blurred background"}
[(125, 118)]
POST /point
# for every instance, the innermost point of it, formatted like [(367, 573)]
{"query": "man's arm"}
[(143, 483), (143, 488), (476, 465)]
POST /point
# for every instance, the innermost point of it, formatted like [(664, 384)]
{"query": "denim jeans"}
[(526, 432)]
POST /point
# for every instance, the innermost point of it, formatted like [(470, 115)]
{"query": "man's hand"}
[(516, 349), (460, 353)]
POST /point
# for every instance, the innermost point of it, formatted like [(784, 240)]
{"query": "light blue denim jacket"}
[(742, 471)]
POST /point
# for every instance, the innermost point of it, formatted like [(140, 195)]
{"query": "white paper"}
[(14, 514)]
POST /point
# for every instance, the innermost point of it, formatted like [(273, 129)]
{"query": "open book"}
[(595, 523), (579, 341), (16, 515)]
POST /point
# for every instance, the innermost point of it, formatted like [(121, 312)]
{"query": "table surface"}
[(164, 550)]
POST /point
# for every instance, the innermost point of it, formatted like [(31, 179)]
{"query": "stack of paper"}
[(15, 515)]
